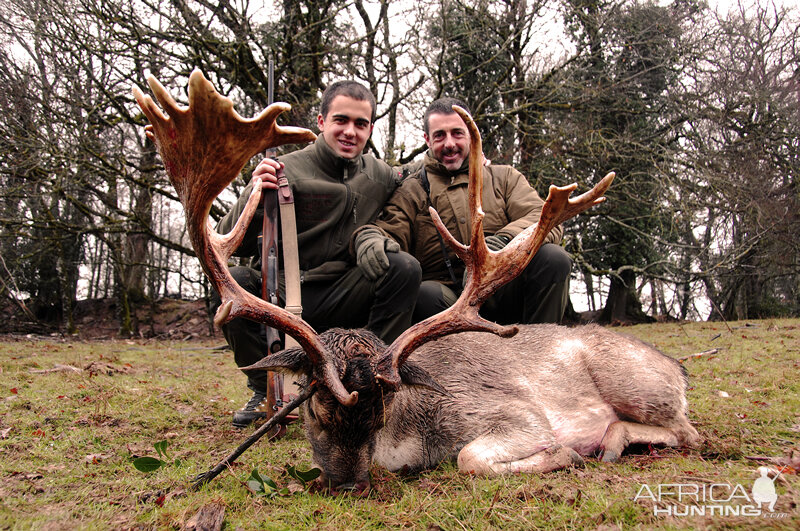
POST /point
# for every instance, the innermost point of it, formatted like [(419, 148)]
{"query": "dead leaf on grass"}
[(210, 517), (102, 367), (430, 485), (789, 462), (96, 458), (4, 433), (295, 486), (29, 476), (530, 493), (791, 458), (574, 497)]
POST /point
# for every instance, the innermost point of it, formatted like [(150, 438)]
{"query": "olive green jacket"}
[(333, 197), (509, 202)]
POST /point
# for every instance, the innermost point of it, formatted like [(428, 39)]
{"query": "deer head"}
[(205, 146)]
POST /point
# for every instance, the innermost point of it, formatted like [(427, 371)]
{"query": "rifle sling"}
[(426, 185), (291, 258)]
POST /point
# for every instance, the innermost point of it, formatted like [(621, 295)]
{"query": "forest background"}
[(696, 109)]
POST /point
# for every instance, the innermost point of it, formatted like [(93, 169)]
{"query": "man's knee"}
[(433, 298), (404, 267), (551, 263)]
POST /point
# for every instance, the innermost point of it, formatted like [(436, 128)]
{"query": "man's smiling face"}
[(448, 139), (347, 126)]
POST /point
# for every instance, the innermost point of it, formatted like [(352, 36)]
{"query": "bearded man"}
[(540, 294)]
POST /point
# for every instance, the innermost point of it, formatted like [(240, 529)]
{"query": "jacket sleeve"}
[(399, 215), (524, 207), (249, 245)]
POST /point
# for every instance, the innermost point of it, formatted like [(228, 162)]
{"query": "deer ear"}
[(413, 374), (293, 360)]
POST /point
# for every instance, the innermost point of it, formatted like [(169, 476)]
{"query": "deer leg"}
[(620, 434), (488, 456)]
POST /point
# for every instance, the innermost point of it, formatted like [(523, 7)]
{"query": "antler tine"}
[(486, 270), (204, 147)]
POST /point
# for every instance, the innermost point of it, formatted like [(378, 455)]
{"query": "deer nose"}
[(358, 488)]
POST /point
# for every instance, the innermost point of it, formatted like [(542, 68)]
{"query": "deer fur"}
[(535, 402)]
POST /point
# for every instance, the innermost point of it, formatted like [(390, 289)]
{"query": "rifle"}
[(270, 270)]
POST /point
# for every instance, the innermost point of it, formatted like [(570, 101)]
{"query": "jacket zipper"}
[(349, 196)]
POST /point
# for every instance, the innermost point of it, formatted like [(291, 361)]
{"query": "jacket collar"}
[(328, 159), (435, 167)]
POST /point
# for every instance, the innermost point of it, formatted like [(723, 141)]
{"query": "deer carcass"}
[(534, 401)]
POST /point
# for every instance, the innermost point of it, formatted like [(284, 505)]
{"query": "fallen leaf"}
[(295, 486), (5, 432), (723, 394), (791, 459), (210, 517), (101, 367), (29, 476)]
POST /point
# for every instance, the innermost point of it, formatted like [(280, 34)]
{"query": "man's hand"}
[(371, 247), (495, 242), (267, 171)]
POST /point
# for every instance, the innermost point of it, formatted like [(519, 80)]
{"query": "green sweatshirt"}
[(333, 197)]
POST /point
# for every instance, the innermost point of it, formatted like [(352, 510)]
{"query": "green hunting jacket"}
[(509, 202), (333, 197)]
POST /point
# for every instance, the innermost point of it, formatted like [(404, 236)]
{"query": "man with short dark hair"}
[(540, 293), (337, 190)]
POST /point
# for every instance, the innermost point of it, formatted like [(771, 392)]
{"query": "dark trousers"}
[(538, 295), (383, 306)]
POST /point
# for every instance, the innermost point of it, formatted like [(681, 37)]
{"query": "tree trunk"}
[(622, 305), (136, 243)]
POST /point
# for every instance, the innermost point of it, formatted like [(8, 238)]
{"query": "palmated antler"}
[(486, 270), (204, 147)]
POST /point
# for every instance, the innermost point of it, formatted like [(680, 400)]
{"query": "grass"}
[(68, 436)]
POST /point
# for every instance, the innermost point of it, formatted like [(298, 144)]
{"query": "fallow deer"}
[(536, 399)]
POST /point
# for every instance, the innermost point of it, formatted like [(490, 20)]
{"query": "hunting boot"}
[(256, 408), (263, 405)]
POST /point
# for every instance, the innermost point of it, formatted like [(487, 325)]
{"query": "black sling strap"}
[(426, 185)]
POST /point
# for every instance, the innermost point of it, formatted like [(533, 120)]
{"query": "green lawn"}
[(73, 415)]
